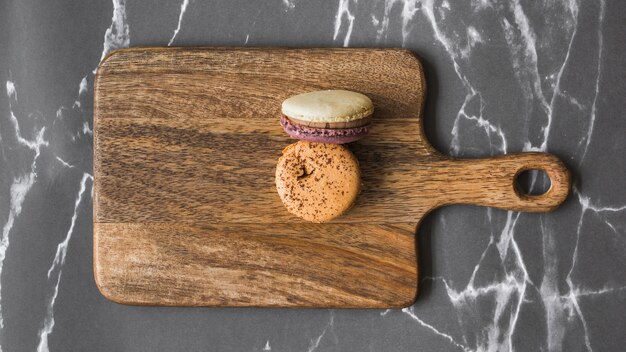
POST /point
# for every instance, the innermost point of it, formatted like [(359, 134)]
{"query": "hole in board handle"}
[(532, 182)]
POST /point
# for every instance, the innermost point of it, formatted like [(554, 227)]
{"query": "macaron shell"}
[(317, 182), (323, 135), (328, 106)]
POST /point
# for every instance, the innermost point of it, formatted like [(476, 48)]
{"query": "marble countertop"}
[(503, 77)]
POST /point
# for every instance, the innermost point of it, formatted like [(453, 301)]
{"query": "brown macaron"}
[(317, 182)]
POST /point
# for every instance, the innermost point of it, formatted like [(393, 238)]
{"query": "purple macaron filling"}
[(323, 135)]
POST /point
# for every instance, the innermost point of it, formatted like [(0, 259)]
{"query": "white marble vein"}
[(592, 293), (569, 303), (473, 39), (600, 212), (183, 9), (594, 108), (289, 4), (457, 52), (11, 93), (86, 129), (117, 35), (549, 291), (34, 145), (55, 271), (18, 191), (573, 6), (506, 293), (64, 163), (411, 313), (572, 101), (21, 187), (21, 184), (315, 343), (523, 43), (344, 12), (409, 9), (82, 90)]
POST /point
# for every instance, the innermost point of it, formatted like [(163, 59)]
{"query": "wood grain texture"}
[(338, 265), (185, 208)]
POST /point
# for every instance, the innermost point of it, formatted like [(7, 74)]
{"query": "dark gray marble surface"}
[(503, 77)]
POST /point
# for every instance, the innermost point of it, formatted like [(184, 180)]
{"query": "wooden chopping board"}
[(186, 213)]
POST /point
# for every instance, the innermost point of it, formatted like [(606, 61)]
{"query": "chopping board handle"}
[(492, 182)]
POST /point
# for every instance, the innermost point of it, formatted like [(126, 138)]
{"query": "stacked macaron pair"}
[(317, 178), (327, 116)]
